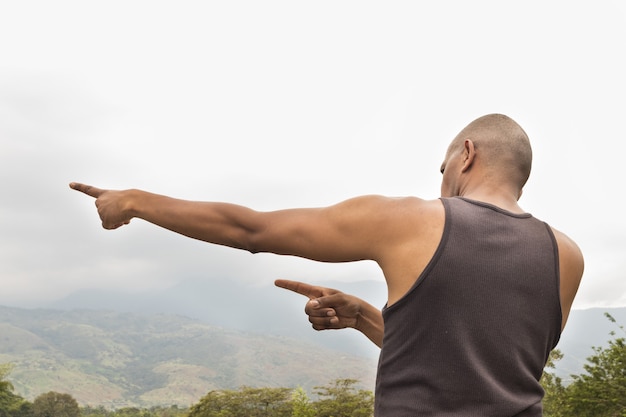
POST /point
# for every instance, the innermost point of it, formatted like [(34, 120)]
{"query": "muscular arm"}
[(356, 229), (571, 267)]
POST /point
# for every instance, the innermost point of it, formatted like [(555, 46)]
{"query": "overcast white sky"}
[(277, 104)]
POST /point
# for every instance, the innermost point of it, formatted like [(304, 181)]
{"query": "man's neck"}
[(505, 201)]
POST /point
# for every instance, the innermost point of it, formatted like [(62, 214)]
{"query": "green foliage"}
[(250, 402), (301, 405), (132, 412), (600, 392), (341, 399), (554, 400), (172, 411), (100, 411), (108, 354), (11, 405), (5, 370), (338, 399), (54, 404)]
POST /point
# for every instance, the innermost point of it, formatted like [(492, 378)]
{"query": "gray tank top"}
[(472, 336)]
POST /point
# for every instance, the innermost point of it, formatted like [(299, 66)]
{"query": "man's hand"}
[(113, 206), (327, 308)]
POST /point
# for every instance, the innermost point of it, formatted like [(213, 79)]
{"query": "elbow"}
[(252, 249), (242, 241), (263, 240), (253, 242), (247, 233), (259, 234)]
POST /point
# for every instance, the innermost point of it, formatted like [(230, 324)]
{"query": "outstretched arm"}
[(328, 308), (220, 223), (362, 228)]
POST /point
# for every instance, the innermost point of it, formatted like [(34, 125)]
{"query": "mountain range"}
[(119, 359), (172, 346), (265, 309)]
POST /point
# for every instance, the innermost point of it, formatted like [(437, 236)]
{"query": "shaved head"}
[(502, 146)]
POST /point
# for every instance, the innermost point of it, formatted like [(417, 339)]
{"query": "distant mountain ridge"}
[(231, 304), (585, 330), (269, 310), (127, 359), (143, 349)]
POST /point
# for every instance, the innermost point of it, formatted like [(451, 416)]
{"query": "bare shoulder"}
[(406, 210), (411, 203), (387, 208), (568, 248), (407, 201), (394, 221), (424, 211)]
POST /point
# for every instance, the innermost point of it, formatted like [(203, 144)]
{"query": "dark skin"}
[(332, 309), (399, 234)]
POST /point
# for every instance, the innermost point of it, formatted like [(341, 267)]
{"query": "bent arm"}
[(328, 308), (371, 323)]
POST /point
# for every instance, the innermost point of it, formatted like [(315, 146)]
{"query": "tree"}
[(301, 406), (156, 411), (338, 399), (171, 411), (249, 402), (554, 399), (5, 370), (54, 404), (341, 399), (11, 405), (132, 412), (99, 411), (601, 392)]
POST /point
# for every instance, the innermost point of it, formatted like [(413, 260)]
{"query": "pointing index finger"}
[(299, 287), (87, 189)]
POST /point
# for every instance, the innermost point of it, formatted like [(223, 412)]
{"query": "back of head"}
[(502, 146)]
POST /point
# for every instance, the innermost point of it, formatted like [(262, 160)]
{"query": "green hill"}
[(122, 359)]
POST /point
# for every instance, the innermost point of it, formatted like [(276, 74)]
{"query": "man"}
[(478, 290)]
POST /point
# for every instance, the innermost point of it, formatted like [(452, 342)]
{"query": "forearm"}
[(343, 232), (220, 223), (370, 323)]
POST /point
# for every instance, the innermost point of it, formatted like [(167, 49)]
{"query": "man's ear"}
[(469, 153)]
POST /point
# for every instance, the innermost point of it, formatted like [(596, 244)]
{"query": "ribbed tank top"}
[(472, 336)]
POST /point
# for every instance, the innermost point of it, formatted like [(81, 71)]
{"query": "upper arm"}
[(571, 268), (361, 228)]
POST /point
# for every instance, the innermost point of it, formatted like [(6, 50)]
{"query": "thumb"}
[(328, 301)]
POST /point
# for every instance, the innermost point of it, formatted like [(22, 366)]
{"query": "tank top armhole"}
[(433, 261)]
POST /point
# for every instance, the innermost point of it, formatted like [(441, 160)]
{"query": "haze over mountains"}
[(173, 346), (128, 359), (234, 305), (270, 310)]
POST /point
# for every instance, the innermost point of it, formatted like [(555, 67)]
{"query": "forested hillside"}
[(129, 359), (121, 359)]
